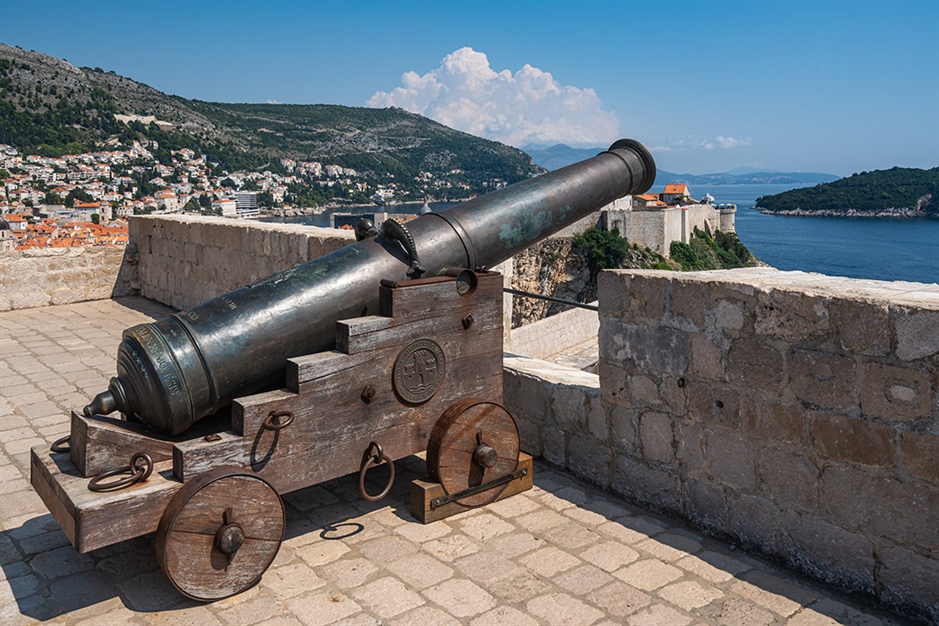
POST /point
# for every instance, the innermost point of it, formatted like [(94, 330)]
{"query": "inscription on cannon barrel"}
[(418, 371)]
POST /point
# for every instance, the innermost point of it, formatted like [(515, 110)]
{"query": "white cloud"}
[(518, 109), (692, 143)]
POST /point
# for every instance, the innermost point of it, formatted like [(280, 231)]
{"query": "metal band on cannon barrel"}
[(464, 238)]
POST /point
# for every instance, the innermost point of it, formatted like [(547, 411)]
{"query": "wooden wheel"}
[(219, 533), (473, 442)]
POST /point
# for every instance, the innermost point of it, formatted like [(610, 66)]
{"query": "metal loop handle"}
[(274, 422), (373, 457), (62, 445), (137, 474)]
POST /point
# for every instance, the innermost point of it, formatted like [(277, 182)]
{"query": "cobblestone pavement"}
[(563, 553)]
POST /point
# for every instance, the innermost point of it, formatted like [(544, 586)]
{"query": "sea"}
[(857, 247)]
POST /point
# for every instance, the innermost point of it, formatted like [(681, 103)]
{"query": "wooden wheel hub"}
[(474, 442), (219, 533)]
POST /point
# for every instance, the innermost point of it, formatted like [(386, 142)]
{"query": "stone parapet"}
[(186, 260), (44, 277), (794, 413), (554, 334)]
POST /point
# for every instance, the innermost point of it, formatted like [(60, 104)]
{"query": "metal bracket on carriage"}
[(472, 491)]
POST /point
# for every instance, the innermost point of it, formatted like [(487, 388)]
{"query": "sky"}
[(709, 86)]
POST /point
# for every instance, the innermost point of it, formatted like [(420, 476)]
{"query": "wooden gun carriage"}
[(426, 373)]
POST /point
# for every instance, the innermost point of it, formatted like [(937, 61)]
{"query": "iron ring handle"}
[(62, 445), (274, 422), (374, 459), (137, 474)]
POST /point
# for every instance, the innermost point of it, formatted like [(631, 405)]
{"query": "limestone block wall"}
[(554, 334), (797, 414), (186, 259), (43, 277)]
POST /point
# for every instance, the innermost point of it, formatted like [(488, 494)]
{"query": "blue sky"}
[(836, 87)]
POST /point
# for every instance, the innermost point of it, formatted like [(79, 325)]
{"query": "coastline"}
[(886, 213)]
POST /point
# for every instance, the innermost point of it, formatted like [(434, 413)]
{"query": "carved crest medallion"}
[(419, 371)]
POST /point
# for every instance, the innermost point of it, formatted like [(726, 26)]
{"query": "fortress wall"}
[(797, 414), (554, 334), (186, 260), (44, 277)]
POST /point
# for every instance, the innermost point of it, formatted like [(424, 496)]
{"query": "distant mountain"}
[(559, 155), (50, 107), (897, 192)]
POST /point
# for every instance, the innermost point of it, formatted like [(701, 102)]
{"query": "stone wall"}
[(186, 260), (794, 413), (554, 334), (43, 277)]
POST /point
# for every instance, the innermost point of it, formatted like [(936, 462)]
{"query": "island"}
[(897, 192)]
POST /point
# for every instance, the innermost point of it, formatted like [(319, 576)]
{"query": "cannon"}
[(384, 349)]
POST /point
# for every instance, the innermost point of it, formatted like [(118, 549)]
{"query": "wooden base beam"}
[(423, 492)]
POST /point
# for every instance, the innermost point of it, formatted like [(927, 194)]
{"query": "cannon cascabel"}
[(180, 369)]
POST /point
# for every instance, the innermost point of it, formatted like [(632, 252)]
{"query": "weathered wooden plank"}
[(92, 520), (195, 456), (439, 324), (100, 443), (423, 492), (410, 299)]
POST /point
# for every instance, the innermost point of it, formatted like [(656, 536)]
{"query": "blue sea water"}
[(857, 247)]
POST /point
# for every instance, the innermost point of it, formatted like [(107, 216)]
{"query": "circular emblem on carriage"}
[(418, 371)]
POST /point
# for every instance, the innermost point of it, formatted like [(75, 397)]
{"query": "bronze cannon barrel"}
[(180, 369)]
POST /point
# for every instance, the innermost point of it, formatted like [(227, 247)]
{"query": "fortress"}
[(794, 414)]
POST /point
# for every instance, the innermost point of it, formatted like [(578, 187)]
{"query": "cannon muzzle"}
[(175, 371)]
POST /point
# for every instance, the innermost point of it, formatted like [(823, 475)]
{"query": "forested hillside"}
[(897, 192), (50, 107)]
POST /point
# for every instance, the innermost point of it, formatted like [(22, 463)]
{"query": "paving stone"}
[(419, 533), (60, 562), (736, 612), (661, 615), (712, 566), (502, 616), (485, 526), (582, 580), (485, 566), (387, 596), (460, 598), (648, 574), (540, 520), (420, 570), (689, 594), (560, 609), (571, 536), (515, 544), (451, 547), (387, 549), (518, 587), (291, 580), (321, 608), (775, 602), (349, 573), (322, 552), (549, 561), (609, 555), (431, 616), (254, 611), (619, 599)]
